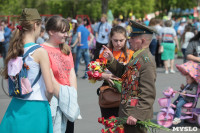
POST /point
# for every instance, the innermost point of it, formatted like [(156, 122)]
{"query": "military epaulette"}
[(146, 58)]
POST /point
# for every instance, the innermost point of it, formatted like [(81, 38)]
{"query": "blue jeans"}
[(79, 54), (184, 55), (179, 105), (4, 49)]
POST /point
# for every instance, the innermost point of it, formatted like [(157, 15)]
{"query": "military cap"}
[(139, 29), (29, 14)]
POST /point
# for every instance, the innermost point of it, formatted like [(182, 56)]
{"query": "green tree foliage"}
[(93, 8)]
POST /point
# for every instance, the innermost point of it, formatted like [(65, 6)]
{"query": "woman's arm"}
[(76, 41), (193, 58), (72, 79), (176, 41), (91, 39), (41, 56)]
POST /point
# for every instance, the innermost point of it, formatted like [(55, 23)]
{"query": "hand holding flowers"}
[(96, 72)]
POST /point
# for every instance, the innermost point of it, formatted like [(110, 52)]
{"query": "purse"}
[(160, 49), (109, 97)]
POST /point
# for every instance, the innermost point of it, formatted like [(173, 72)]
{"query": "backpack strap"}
[(99, 27), (31, 50), (37, 78), (25, 55)]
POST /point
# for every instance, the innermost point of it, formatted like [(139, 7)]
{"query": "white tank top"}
[(39, 88)]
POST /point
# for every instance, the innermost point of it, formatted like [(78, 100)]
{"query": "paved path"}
[(88, 100)]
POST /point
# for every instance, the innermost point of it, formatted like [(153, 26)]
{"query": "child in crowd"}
[(30, 114), (191, 71)]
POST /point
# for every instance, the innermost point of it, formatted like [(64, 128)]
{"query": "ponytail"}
[(16, 47), (65, 49)]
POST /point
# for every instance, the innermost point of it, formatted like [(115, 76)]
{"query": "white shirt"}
[(188, 36), (1, 36), (39, 88)]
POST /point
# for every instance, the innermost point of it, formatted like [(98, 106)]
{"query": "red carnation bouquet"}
[(115, 124)]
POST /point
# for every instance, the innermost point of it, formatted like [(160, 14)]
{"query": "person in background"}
[(7, 35), (181, 28), (185, 38), (117, 44), (83, 47), (87, 25), (102, 30), (158, 27), (193, 49), (40, 39), (167, 38), (74, 39), (31, 114), (1, 38), (153, 44)]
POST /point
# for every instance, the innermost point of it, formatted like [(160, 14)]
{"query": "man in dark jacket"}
[(139, 76)]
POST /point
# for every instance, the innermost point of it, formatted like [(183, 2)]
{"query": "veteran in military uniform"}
[(139, 76)]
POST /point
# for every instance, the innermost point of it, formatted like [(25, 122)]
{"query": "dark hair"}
[(87, 22), (196, 37), (75, 29), (153, 22), (5, 21), (122, 30), (59, 24), (42, 29), (168, 23), (188, 28)]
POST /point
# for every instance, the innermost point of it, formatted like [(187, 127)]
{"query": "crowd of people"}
[(135, 48)]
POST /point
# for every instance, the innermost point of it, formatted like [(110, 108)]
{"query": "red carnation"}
[(90, 74), (93, 66)]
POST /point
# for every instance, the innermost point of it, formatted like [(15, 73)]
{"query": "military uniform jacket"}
[(138, 86)]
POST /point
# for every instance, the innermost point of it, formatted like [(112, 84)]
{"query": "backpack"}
[(19, 85)]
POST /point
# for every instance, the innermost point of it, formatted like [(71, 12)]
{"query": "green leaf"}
[(117, 85)]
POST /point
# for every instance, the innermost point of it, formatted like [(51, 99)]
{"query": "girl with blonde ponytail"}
[(30, 114)]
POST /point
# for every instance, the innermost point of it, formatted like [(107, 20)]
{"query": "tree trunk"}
[(104, 6)]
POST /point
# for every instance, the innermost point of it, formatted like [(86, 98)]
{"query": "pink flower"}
[(97, 75)]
